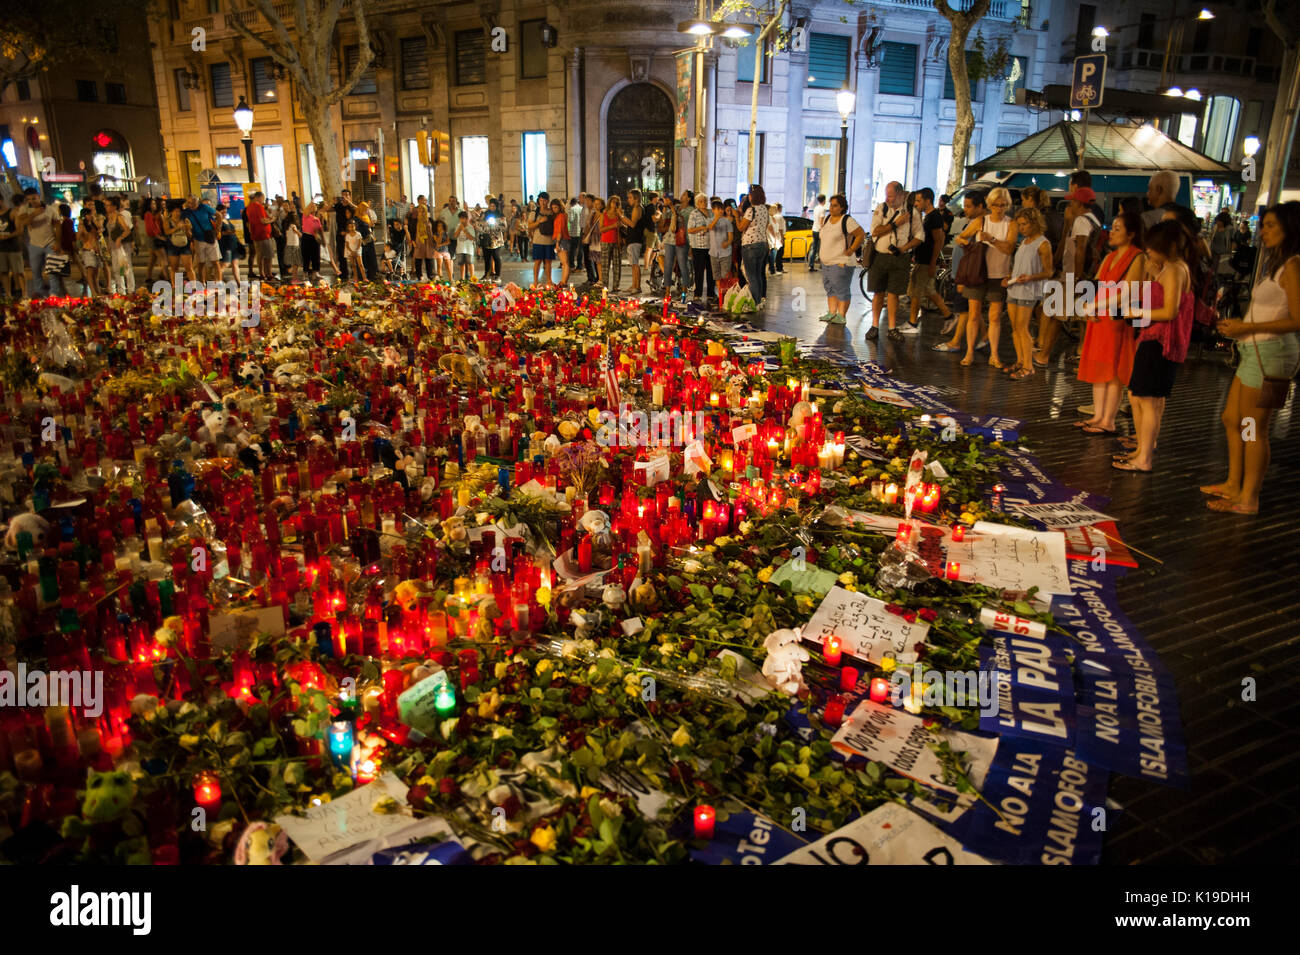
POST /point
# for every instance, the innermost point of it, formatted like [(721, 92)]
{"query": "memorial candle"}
[(953, 570), (958, 532), (879, 689), (705, 816), (831, 650), (834, 714), (207, 791), (891, 494), (848, 678)]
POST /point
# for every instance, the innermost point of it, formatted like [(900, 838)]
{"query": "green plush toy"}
[(106, 818), (108, 796)]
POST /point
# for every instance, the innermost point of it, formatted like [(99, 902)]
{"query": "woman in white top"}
[(999, 234), (1267, 342), (776, 239), (841, 238)]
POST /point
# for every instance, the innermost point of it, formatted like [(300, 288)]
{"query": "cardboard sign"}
[(900, 740), (1012, 558), (234, 629), (1101, 539), (888, 835), (865, 628), (415, 706)]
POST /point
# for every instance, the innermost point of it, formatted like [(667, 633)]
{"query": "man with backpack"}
[(1082, 249)]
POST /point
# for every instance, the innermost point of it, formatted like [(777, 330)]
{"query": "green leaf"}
[(700, 593)]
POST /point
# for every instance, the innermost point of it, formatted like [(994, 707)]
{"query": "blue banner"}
[(746, 839), (1052, 806)]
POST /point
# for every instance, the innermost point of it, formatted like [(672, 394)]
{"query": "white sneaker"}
[(907, 328)]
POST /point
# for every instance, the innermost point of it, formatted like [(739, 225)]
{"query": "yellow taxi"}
[(798, 237)]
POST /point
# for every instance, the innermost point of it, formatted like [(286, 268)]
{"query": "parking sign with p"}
[(1088, 81)]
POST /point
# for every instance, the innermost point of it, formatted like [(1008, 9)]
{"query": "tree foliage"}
[(41, 35)]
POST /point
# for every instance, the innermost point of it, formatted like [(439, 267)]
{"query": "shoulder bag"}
[(972, 270), (1273, 391)]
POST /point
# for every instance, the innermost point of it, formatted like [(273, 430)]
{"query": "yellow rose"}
[(681, 737), (766, 573), (189, 741), (500, 670), (887, 664), (568, 430), (543, 838), (847, 578), (967, 517), (543, 666), (587, 792)]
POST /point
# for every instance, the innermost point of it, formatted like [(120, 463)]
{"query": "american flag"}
[(612, 393)]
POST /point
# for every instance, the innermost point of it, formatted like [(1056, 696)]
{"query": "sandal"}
[(1214, 490), (996, 364), (968, 361), (1128, 465), (944, 347), (1225, 506), (1083, 424), (1022, 374), (1090, 429)]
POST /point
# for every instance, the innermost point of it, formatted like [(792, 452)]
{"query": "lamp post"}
[(244, 120), (844, 102), (702, 30)]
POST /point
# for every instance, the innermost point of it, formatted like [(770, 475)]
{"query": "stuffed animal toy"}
[(783, 667), (33, 524), (261, 844), (108, 796)]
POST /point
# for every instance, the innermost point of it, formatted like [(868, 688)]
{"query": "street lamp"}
[(1251, 145), (844, 102), (244, 120), (701, 29)]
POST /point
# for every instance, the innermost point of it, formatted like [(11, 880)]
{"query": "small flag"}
[(612, 394)]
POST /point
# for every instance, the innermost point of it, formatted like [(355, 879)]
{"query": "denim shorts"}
[(1278, 356), (634, 250), (837, 280)]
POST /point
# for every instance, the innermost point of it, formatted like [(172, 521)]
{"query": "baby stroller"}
[(394, 263)]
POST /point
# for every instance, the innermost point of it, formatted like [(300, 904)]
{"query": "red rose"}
[(447, 786), (928, 615), (511, 806), (417, 796), (909, 616)]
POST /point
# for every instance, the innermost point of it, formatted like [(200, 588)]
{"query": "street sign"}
[(1088, 81)]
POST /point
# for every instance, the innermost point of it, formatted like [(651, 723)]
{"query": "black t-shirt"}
[(947, 219), (7, 225), (933, 220)]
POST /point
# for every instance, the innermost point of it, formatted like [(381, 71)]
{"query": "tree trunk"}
[(961, 132), (329, 160)]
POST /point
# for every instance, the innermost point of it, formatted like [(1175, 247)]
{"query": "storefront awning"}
[(1111, 147)]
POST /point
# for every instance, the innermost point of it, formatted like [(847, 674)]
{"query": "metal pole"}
[(753, 99), (248, 156), (383, 190), (1083, 141), (844, 157), (699, 106)]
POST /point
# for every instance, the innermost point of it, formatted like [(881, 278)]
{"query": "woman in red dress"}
[(1108, 345)]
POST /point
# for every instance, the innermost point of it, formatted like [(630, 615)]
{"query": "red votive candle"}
[(879, 689), (831, 651), (954, 570), (834, 714), (959, 532), (705, 816), (848, 678)]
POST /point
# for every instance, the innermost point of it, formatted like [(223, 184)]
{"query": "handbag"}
[(1273, 391), (972, 270), (57, 263), (179, 239)]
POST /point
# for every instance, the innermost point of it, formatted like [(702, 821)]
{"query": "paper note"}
[(888, 835), (900, 740), (886, 396), (1012, 558), (743, 433), (344, 822), (865, 628), (1061, 514), (235, 629), (803, 580)]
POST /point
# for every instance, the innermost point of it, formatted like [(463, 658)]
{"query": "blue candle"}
[(342, 739)]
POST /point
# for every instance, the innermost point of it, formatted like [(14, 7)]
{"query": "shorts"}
[(543, 253), (265, 249), (888, 273), (159, 242), (991, 291), (227, 248), (90, 260), (921, 284), (205, 252), (1278, 356), (634, 250), (12, 263), (176, 251), (1153, 373), (837, 280), (464, 258)]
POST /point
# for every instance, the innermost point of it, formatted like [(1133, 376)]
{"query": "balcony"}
[(1008, 10)]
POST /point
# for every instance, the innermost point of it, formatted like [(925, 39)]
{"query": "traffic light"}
[(422, 144), (373, 169), (439, 148)]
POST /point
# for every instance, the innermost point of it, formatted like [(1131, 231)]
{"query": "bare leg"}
[(995, 332), (1256, 450), (974, 330), (892, 299)]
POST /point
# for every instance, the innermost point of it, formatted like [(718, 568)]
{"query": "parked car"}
[(798, 237)]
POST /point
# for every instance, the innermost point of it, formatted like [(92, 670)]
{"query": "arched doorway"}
[(111, 160), (639, 136)]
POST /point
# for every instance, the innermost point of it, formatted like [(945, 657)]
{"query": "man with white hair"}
[(1162, 190)]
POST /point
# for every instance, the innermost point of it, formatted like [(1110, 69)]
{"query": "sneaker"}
[(895, 335), (873, 333), (948, 326), (835, 319), (910, 329), (826, 317)]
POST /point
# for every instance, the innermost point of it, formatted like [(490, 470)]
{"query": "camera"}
[(895, 250)]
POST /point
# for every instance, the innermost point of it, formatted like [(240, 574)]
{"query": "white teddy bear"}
[(783, 667), (33, 524)]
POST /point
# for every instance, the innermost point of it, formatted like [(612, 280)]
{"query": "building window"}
[(263, 80), (1083, 29), (1017, 74), (111, 157), (1147, 31), (367, 83), (182, 91), (950, 90), (474, 169), (107, 31), (310, 173), (898, 68), (742, 162), (419, 181), (745, 61), (821, 164), (272, 170), (87, 91), (471, 57), (944, 168), (1221, 119), (532, 53), (415, 63), (828, 61), (223, 94), (24, 89), (534, 161), (115, 93), (892, 163)]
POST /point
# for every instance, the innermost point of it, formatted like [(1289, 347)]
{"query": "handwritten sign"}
[(341, 823), (888, 835), (235, 629), (865, 628), (1012, 558), (1061, 514), (901, 741)]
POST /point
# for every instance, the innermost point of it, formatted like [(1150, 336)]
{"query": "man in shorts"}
[(259, 226), (12, 264), (920, 288), (202, 219), (896, 230)]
